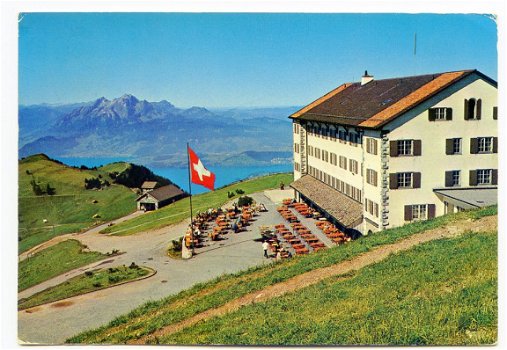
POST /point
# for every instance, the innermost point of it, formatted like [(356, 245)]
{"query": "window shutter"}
[(448, 114), (466, 109), (416, 180), (432, 114), (474, 145), (495, 144), (408, 213), (495, 113), (448, 178), (375, 147), (393, 181), (417, 147), (449, 145), (494, 177), (473, 178), (478, 107), (431, 211), (393, 148), (375, 177)]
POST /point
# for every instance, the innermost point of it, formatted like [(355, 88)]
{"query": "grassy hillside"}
[(439, 293), (154, 315), (72, 208), (53, 261), (180, 210)]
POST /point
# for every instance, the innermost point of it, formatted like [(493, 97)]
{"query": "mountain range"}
[(156, 133)]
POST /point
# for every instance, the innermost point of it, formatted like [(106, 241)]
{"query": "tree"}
[(50, 190)]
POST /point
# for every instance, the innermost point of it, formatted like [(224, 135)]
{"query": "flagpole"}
[(190, 192)]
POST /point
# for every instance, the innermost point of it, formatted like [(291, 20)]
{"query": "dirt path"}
[(488, 223)]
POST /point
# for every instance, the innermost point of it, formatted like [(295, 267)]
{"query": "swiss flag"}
[(200, 175)]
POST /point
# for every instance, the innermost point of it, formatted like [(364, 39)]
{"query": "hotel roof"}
[(379, 101)]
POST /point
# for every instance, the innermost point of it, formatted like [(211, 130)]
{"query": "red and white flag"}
[(199, 174)]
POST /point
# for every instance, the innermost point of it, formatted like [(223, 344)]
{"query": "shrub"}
[(245, 201), (37, 190), (230, 194), (133, 266), (92, 183), (112, 270), (240, 191), (114, 279), (97, 284), (50, 190), (89, 273), (177, 243)]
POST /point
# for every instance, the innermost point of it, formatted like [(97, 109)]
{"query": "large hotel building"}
[(378, 154)]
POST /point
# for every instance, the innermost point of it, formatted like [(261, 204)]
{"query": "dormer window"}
[(473, 109)]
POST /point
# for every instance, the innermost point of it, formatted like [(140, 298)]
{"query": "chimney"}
[(365, 79)]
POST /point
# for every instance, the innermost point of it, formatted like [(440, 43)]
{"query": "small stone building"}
[(159, 197)]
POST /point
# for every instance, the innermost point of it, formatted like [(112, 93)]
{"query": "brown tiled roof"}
[(149, 184), (344, 209), (164, 192), (379, 101)]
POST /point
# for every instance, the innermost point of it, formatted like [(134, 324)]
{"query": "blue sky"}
[(225, 60)]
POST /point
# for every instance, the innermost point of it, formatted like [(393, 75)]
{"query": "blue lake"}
[(224, 175)]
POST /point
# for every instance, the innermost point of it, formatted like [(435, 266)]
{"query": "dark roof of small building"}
[(344, 209), (164, 192), (474, 197), (149, 185), (379, 101)]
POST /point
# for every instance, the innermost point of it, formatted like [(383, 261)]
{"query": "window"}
[(456, 146), (332, 134), (353, 165), (484, 177), (452, 178), (342, 135), (296, 166), (440, 113), (453, 146), (404, 179), (485, 144), (371, 146), (333, 159), (473, 109), (371, 177), (296, 147), (310, 151), (419, 212), (405, 147), (343, 162), (296, 128), (354, 139), (317, 152)]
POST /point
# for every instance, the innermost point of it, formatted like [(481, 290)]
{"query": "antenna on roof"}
[(415, 53)]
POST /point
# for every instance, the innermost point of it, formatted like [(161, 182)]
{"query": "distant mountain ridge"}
[(152, 132)]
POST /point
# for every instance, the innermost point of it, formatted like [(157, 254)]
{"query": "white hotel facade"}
[(381, 153)]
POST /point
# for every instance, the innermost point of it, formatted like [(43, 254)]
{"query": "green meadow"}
[(72, 208), (53, 261), (85, 283)]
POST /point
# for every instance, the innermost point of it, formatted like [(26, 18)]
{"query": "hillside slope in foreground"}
[(432, 283)]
